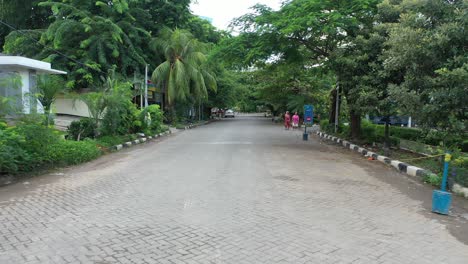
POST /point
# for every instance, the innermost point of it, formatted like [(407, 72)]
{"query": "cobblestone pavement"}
[(236, 191)]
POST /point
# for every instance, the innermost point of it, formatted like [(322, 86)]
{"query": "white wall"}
[(66, 106)]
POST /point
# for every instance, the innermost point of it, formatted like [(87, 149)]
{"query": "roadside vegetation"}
[(105, 47), (380, 58)]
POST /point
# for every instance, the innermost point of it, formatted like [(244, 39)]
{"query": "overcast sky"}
[(223, 11)]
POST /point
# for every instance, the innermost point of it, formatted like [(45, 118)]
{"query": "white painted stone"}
[(360, 150), (457, 188), (119, 147), (143, 139), (381, 158), (395, 163), (351, 146), (412, 170), (137, 141)]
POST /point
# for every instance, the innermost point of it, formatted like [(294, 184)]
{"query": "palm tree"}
[(184, 73), (49, 87)]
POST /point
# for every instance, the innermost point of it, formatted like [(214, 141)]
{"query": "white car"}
[(229, 113)]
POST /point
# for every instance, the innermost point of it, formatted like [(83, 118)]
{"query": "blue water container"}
[(441, 201), (305, 136)]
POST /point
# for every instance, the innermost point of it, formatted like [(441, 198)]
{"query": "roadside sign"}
[(308, 114)]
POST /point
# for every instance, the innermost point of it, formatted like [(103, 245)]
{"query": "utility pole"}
[(146, 85), (337, 107)]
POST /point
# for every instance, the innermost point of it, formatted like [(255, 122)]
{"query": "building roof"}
[(26, 63)]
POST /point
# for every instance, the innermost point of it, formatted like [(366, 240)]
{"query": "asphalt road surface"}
[(236, 191)]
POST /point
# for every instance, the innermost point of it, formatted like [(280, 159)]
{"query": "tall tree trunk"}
[(355, 118), (331, 118), (387, 136)]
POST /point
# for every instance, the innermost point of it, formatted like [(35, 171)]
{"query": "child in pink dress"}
[(295, 120)]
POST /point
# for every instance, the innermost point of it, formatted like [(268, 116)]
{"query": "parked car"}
[(229, 113), (394, 120)]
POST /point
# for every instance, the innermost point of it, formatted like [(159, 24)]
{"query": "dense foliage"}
[(390, 57), (31, 145)]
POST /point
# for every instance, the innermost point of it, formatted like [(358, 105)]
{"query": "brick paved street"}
[(235, 191)]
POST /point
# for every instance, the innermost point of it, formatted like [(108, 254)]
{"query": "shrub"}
[(152, 119), (459, 167), (109, 141), (163, 128), (180, 126), (37, 137), (326, 126), (433, 179), (406, 133), (81, 129), (122, 117), (13, 157), (464, 145), (66, 152)]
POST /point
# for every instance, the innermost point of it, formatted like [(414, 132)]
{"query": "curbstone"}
[(403, 167), (143, 139), (395, 164), (422, 173), (457, 188), (412, 170), (400, 166)]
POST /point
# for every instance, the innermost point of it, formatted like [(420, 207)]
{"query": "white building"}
[(23, 92)]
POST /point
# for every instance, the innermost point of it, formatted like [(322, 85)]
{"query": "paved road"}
[(236, 191)]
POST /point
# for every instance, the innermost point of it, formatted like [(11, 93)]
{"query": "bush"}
[(121, 118), (464, 146), (326, 126), (180, 126), (67, 152), (152, 119), (37, 137), (81, 129), (13, 157), (433, 179), (459, 167), (109, 141), (163, 128), (406, 133)]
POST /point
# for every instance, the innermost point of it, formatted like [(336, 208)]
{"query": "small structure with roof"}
[(18, 81)]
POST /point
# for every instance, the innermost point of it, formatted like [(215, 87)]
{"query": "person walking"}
[(295, 120), (287, 120)]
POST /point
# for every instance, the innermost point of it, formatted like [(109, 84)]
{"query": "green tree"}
[(48, 88), (428, 48), (22, 15), (184, 73)]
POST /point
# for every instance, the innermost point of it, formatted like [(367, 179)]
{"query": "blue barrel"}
[(441, 201), (305, 136)]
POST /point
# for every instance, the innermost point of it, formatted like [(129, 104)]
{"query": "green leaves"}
[(184, 70)]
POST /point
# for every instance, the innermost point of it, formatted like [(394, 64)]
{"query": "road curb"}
[(146, 139), (402, 167)]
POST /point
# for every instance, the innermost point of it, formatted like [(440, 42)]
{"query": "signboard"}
[(308, 114)]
